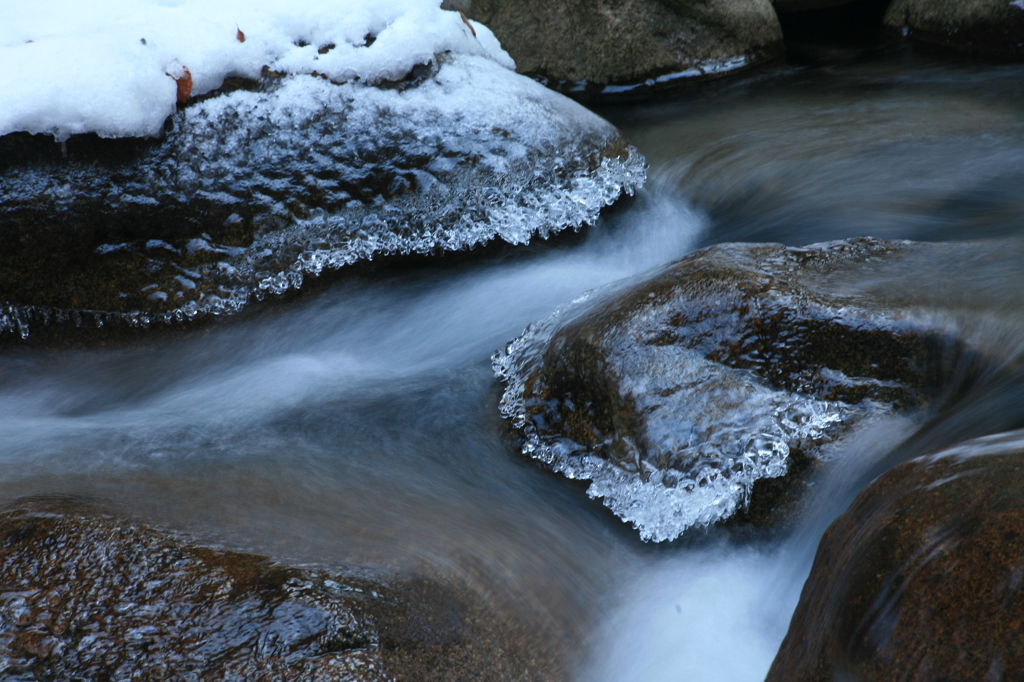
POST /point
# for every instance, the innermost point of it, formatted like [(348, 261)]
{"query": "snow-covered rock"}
[(304, 157)]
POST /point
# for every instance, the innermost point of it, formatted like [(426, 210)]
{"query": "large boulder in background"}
[(339, 153), (988, 28), (85, 594), (607, 49), (677, 395), (921, 578)]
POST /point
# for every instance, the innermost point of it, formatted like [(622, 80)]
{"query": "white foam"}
[(69, 67)]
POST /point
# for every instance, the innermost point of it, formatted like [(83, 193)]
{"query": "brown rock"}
[(989, 28), (605, 48), (88, 595), (130, 233), (920, 579), (739, 363)]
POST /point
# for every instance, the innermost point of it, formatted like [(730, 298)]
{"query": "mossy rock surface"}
[(86, 594), (920, 579)]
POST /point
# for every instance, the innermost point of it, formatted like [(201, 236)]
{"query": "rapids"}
[(360, 422)]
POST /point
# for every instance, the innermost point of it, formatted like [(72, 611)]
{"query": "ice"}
[(370, 129), (721, 428), (69, 67), (332, 174)]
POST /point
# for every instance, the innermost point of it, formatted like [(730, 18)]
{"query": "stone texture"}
[(988, 28), (679, 395), (602, 48), (921, 578), (88, 595), (262, 184)]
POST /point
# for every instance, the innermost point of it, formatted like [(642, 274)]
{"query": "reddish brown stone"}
[(88, 595), (920, 579)]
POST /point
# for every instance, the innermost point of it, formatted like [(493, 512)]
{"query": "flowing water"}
[(360, 424)]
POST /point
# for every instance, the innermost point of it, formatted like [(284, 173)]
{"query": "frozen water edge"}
[(740, 444), (505, 158)]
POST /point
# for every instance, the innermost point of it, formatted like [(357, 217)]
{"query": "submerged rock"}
[(607, 49), (88, 595), (921, 578), (675, 395), (254, 188), (988, 28)]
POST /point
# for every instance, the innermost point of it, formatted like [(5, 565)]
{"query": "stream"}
[(359, 424)]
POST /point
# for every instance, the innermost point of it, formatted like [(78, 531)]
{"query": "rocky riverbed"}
[(809, 313)]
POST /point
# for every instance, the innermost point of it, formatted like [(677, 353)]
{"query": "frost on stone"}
[(674, 394), (711, 431), (316, 175)]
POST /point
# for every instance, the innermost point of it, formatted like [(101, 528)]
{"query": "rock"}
[(677, 394), (266, 182), (607, 49), (920, 579), (988, 28), (88, 595)]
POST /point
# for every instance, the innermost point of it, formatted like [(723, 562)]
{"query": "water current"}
[(359, 424)]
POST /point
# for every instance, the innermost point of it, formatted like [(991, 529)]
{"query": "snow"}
[(68, 67)]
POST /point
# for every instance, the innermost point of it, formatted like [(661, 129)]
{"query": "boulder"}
[(261, 183), (987, 28), (86, 594), (609, 49), (920, 579), (677, 394)]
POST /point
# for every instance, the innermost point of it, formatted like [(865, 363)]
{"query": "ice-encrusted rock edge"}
[(571, 208), (659, 512)]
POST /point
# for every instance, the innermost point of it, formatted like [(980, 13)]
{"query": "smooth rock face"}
[(921, 578), (675, 395), (989, 28), (87, 595), (253, 189), (607, 48)]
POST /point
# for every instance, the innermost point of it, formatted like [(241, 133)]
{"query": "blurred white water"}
[(360, 424)]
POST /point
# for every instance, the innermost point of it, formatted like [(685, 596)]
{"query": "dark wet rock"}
[(88, 595), (988, 28), (607, 49), (921, 578), (677, 395), (258, 186)]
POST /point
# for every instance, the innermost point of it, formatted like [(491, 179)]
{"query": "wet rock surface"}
[(988, 28), (678, 394), (268, 182), (920, 579), (88, 595), (609, 49)]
